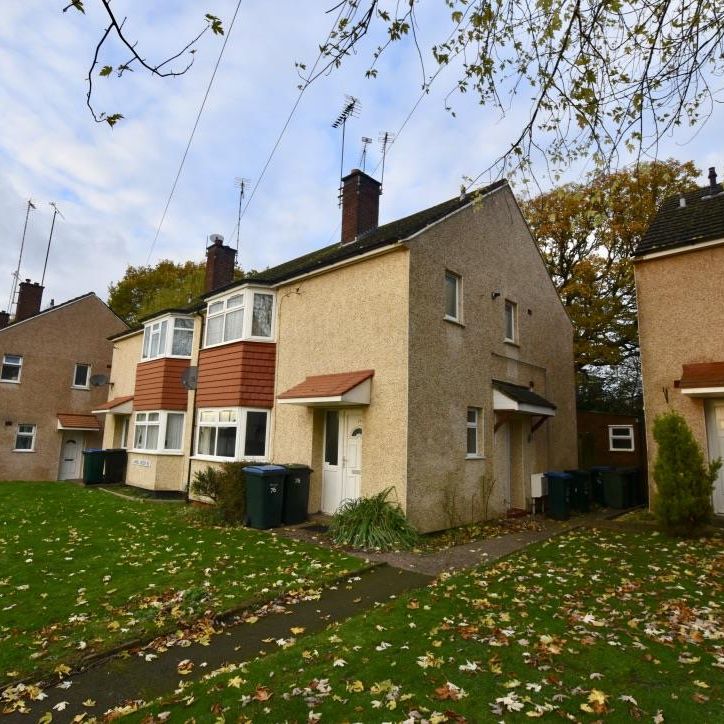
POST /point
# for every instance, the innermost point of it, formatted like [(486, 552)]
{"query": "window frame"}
[(630, 437), (162, 425), (248, 295), (509, 303), (240, 425), (170, 328), (458, 297), (87, 385), (33, 435), (12, 364), (479, 426)]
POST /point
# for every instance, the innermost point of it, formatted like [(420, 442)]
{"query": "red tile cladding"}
[(158, 385), (240, 374)]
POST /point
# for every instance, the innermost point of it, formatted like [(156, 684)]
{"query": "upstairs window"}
[(11, 369), (452, 297), (247, 314), (620, 438), (170, 337), (81, 376), (511, 321)]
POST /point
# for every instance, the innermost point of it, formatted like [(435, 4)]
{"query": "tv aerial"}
[(351, 109)]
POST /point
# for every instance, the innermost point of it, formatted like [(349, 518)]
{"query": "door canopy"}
[(703, 380), (343, 389)]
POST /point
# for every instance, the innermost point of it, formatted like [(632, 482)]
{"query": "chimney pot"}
[(360, 204), (219, 264), (30, 297), (4, 319), (682, 201)]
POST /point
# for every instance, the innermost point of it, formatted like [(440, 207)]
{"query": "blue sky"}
[(112, 185)]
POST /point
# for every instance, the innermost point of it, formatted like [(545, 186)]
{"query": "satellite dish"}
[(99, 380), (190, 377)]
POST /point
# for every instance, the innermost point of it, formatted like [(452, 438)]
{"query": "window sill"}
[(475, 457), (24, 451), (511, 342), (79, 387), (454, 321), (165, 356), (155, 452), (267, 340), (215, 459), (11, 382)]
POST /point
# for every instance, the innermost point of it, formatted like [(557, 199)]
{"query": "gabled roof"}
[(115, 402), (75, 421), (674, 226), (370, 240), (58, 307)]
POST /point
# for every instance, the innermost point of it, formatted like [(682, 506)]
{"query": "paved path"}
[(131, 677)]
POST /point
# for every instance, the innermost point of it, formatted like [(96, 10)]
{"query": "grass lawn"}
[(82, 571), (591, 626)]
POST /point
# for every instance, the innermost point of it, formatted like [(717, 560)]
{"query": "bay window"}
[(246, 314), (169, 337), (233, 433), (158, 431)]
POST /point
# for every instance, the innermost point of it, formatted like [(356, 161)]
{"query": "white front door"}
[(71, 447), (716, 448), (342, 466)]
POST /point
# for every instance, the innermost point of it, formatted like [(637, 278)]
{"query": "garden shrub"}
[(372, 523), (684, 481), (225, 485)]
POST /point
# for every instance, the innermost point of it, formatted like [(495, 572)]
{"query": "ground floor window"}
[(233, 433), (25, 437), (474, 426), (158, 431), (620, 438)]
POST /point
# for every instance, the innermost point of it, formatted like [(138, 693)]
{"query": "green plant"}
[(372, 523), (226, 486), (684, 480)]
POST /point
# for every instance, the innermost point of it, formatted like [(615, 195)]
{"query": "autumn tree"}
[(586, 233), (605, 78), (148, 289)]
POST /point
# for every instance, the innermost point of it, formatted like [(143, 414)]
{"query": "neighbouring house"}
[(679, 265), (424, 354), (613, 439), (49, 360)]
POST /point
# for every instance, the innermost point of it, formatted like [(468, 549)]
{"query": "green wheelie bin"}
[(296, 494), (264, 495), (115, 468), (559, 494), (93, 459), (616, 491), (581, 490)]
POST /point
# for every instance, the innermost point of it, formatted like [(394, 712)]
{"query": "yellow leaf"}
[(296, 630), (355, 686), (89, 702), (46, 718)]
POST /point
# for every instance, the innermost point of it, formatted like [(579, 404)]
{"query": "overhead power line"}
[(193, 130)]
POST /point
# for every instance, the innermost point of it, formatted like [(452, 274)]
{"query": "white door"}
[(502, 461), (342, 465), (71, 447), (716, 446)]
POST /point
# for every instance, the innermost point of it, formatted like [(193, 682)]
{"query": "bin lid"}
[(558, 474), (265, 469), (601, 468), (92, 450), (297, 466)]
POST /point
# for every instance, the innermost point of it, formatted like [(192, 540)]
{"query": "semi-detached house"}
[(426, 354)]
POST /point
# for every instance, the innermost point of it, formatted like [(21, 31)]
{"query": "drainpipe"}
[(193, 413)]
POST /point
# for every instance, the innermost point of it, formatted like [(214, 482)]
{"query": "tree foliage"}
[(147, 289), (587, 233), (605, 77), (684, 481), (174, 65)]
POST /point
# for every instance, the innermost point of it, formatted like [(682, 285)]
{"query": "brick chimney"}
[(4, 319), (219, 264), (29, 298), (360, 204), (714, 187)]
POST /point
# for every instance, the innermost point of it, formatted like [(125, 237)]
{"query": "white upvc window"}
[(474, 447), (25, 437), (453, 297), (12, 368), (245, 314), (168, 337), (81, 376), (158, 431), (235, 433), (620, 438), (125, 426), (511, 321)]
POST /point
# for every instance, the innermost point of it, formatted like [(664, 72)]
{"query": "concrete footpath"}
[(146, 674)]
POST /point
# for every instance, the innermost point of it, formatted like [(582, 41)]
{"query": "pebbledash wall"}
[(452, 365), (680, 322), (347, 319), (51, 343)]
